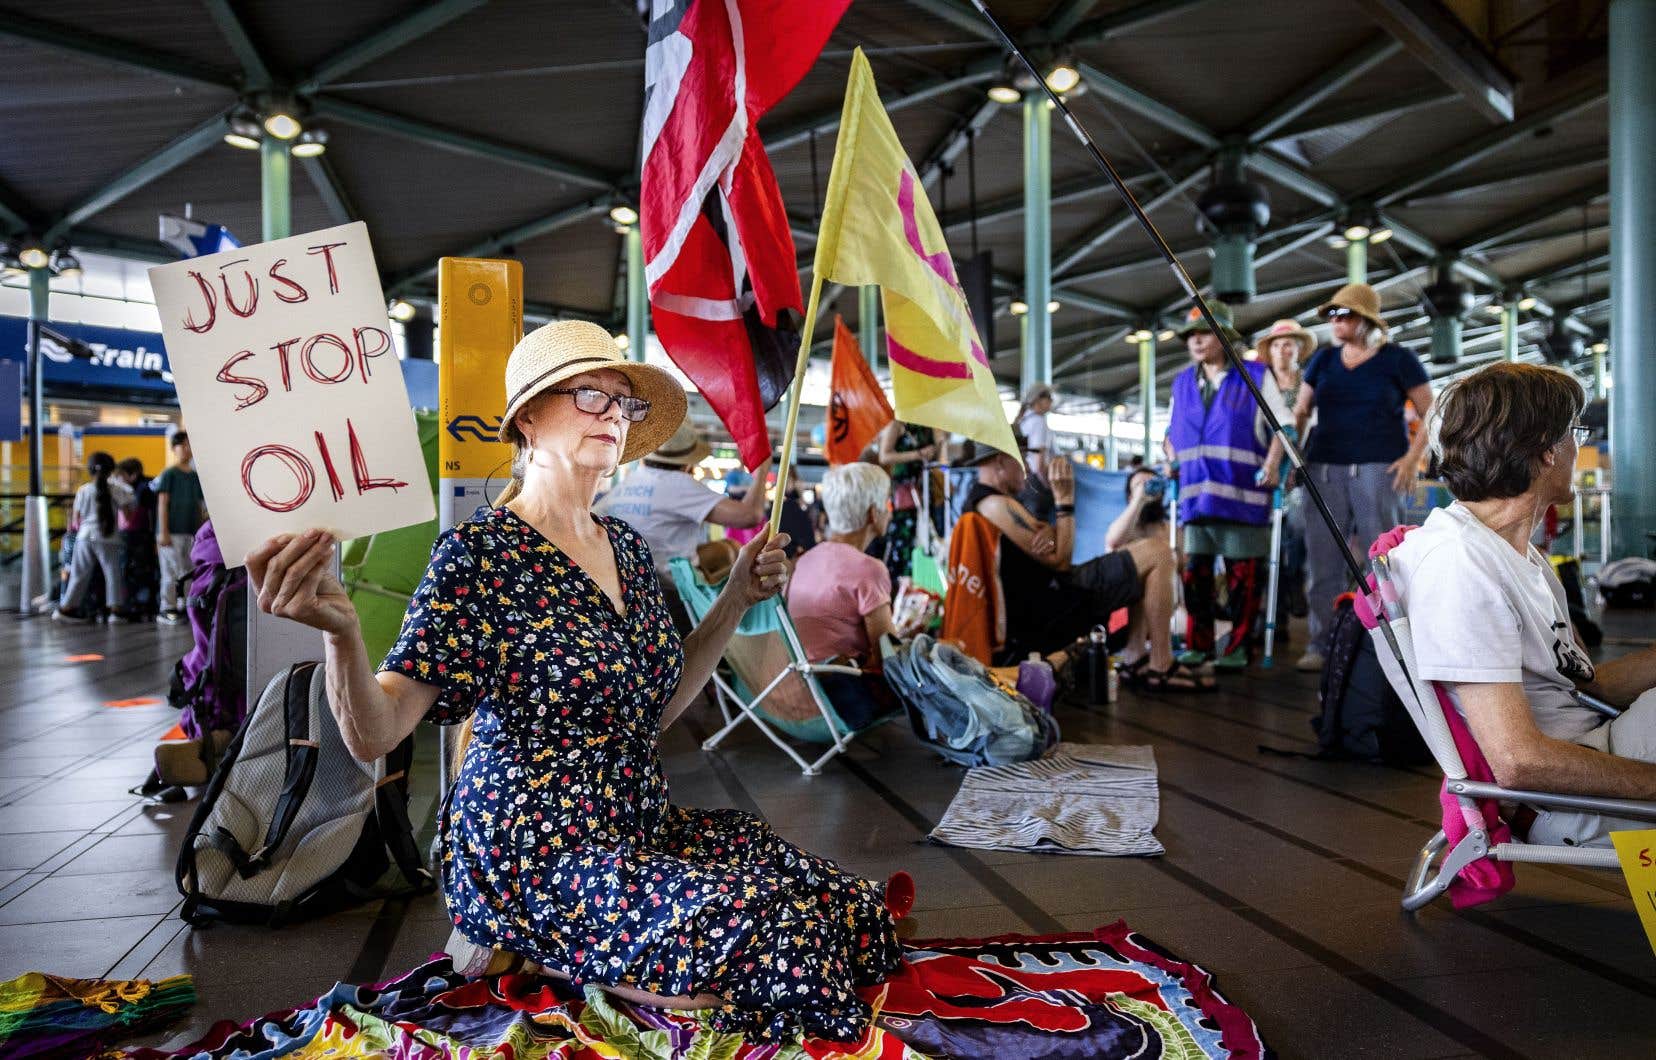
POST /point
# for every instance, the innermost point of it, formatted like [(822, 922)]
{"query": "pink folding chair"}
[(1474, 851)]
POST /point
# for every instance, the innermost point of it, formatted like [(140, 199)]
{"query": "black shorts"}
[(1112, 578)]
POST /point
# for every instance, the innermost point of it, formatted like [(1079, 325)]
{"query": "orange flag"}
[(857, 407)]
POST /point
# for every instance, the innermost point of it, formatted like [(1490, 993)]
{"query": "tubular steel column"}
[(274, 643), (638, 296), (1509, 329), (1037, 357), (276, 188), (37, 553), (868, 324), (1357, 261), (1110, 442), (1598, 375), (1632, 271), (1147, 394)]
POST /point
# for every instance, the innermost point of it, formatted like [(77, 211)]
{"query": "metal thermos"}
[(1101, 678)]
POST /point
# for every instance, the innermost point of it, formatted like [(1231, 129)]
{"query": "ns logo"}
[(468, 428)]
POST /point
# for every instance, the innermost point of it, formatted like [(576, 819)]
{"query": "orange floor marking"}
[(83, 658), (140, 701)]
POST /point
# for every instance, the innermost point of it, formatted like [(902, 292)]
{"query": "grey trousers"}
[(1364, 504), (93, 552)]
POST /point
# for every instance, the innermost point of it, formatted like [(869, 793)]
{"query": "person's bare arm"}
[(163, 533), (292, 579), (750, 510), (1124, 528), (890, 457), (1049, 548), (760, 571), (1621, 681), (1404, 469), (1302, 409), (1524, 758), (876, 624)]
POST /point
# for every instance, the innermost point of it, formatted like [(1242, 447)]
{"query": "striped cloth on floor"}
[(1078, 799), (49, 1016)]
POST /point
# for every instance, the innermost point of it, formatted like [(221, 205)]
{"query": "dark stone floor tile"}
[(68, 898), (83, 949)]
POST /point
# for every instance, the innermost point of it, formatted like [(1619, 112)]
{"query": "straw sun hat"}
[(1360, 298), (561, 350), (1288, 329), (686, 448)]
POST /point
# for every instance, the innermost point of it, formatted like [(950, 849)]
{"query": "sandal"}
[(1176, 678)]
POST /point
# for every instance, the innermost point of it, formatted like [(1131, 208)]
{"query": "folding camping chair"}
[(773, 684), (1474, 842)]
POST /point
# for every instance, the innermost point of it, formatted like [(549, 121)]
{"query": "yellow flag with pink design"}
[(879, 228)]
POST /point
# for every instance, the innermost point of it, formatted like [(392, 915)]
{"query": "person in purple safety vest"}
[(1228, 463)]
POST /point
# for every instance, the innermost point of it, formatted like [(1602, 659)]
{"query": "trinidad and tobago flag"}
[(718, 252)]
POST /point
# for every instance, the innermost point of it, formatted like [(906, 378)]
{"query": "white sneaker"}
[(1311, 662), (59, 615)]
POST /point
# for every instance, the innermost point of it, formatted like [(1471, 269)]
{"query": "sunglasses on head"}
[(1340, 313), (595, 402)]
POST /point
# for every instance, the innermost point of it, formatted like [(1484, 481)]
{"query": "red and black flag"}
[(718, 251)]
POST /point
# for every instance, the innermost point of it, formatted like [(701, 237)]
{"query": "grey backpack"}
[(290, 825)]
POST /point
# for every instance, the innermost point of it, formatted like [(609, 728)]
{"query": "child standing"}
[(180, 510), (97, 541)]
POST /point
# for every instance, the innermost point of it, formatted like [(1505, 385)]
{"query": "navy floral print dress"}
[(559, 842)]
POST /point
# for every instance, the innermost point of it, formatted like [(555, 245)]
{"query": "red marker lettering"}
[(363, 352), (334, 485), (281, 349), (308, 363), (299, 293), (359, 467), (252, 292), (326, 250), (253, 397), (212, 306), (295, 462)]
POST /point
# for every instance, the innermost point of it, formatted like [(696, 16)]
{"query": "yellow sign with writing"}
[(481, 319), (1637, 852)]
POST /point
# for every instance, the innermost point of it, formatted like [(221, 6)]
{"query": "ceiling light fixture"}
[(1494, 309), (1018, 309), (1601, 347), (1526, 303), (65, 264), (1355, 232), (1004, 93), (622, 214), (1053, 306), (1379, 235), (1141, 335), (1338, 242), (1167, 336), (34, 256), (282, 125), (242, 130), (401, 311), (1063, 76), (312, 142)]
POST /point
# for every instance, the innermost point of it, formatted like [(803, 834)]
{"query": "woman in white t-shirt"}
[(1031, 421), (662, 500), (93, 518), (1488, 615)]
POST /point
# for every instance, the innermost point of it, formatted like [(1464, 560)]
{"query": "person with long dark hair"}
[(97, 539)]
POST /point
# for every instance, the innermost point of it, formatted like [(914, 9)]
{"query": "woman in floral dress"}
[(546, 627)]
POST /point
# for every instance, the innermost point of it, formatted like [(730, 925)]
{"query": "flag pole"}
[(1186, 284), (794, 394)]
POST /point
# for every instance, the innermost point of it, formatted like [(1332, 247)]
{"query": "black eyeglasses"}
[(1582, 434), (1339, 312), (595, 402)]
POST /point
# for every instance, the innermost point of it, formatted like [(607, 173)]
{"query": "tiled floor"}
[(1282, 874)]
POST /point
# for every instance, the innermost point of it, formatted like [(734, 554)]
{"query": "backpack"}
[(958, 710), (1628, 582), (292, 826), (1362, 717), (209, 684)]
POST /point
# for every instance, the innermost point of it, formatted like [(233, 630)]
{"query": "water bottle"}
[(1100, 668), (1036, 682)]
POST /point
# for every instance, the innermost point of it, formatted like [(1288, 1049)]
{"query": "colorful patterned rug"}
[(1108, 993)]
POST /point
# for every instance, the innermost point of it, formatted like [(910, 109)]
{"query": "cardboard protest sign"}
[(291, 389)]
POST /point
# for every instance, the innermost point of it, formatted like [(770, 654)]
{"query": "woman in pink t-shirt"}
[(840, 597)]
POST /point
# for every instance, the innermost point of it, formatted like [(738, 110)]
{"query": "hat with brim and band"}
[(1287, 329), (1195, 322), (559, 351), (686, 448), (1359, 298), (973, 452)]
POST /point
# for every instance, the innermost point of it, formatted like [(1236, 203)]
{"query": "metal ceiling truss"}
[(1437, 37), (430, 17), (1123, 222), (1365, 111), (1509, 245), (323, 176), (532, 229), (1571, 200), (256, 75), (1566, 163), (110, 50), (820, 124), (14, 212), (1349, 68), (131, 178)]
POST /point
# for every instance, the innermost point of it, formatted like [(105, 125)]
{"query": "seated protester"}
[(667, 506), (839, 597), (1050, 602), (1229, 462), (1489, 618), (1145, 514)]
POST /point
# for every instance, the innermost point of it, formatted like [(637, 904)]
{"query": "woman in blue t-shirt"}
[(1360, 455)]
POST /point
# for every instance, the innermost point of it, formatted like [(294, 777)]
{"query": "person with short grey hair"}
[(839, 596)]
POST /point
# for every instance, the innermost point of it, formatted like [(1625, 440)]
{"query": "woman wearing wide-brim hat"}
[(1361, 455), (543, 626)]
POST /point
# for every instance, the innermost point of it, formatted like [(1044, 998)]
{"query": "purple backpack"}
[(210, 683)]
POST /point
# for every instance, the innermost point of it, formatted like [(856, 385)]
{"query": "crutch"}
[(1279, 514)]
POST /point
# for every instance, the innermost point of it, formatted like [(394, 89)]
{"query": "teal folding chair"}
[(772, 683)]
